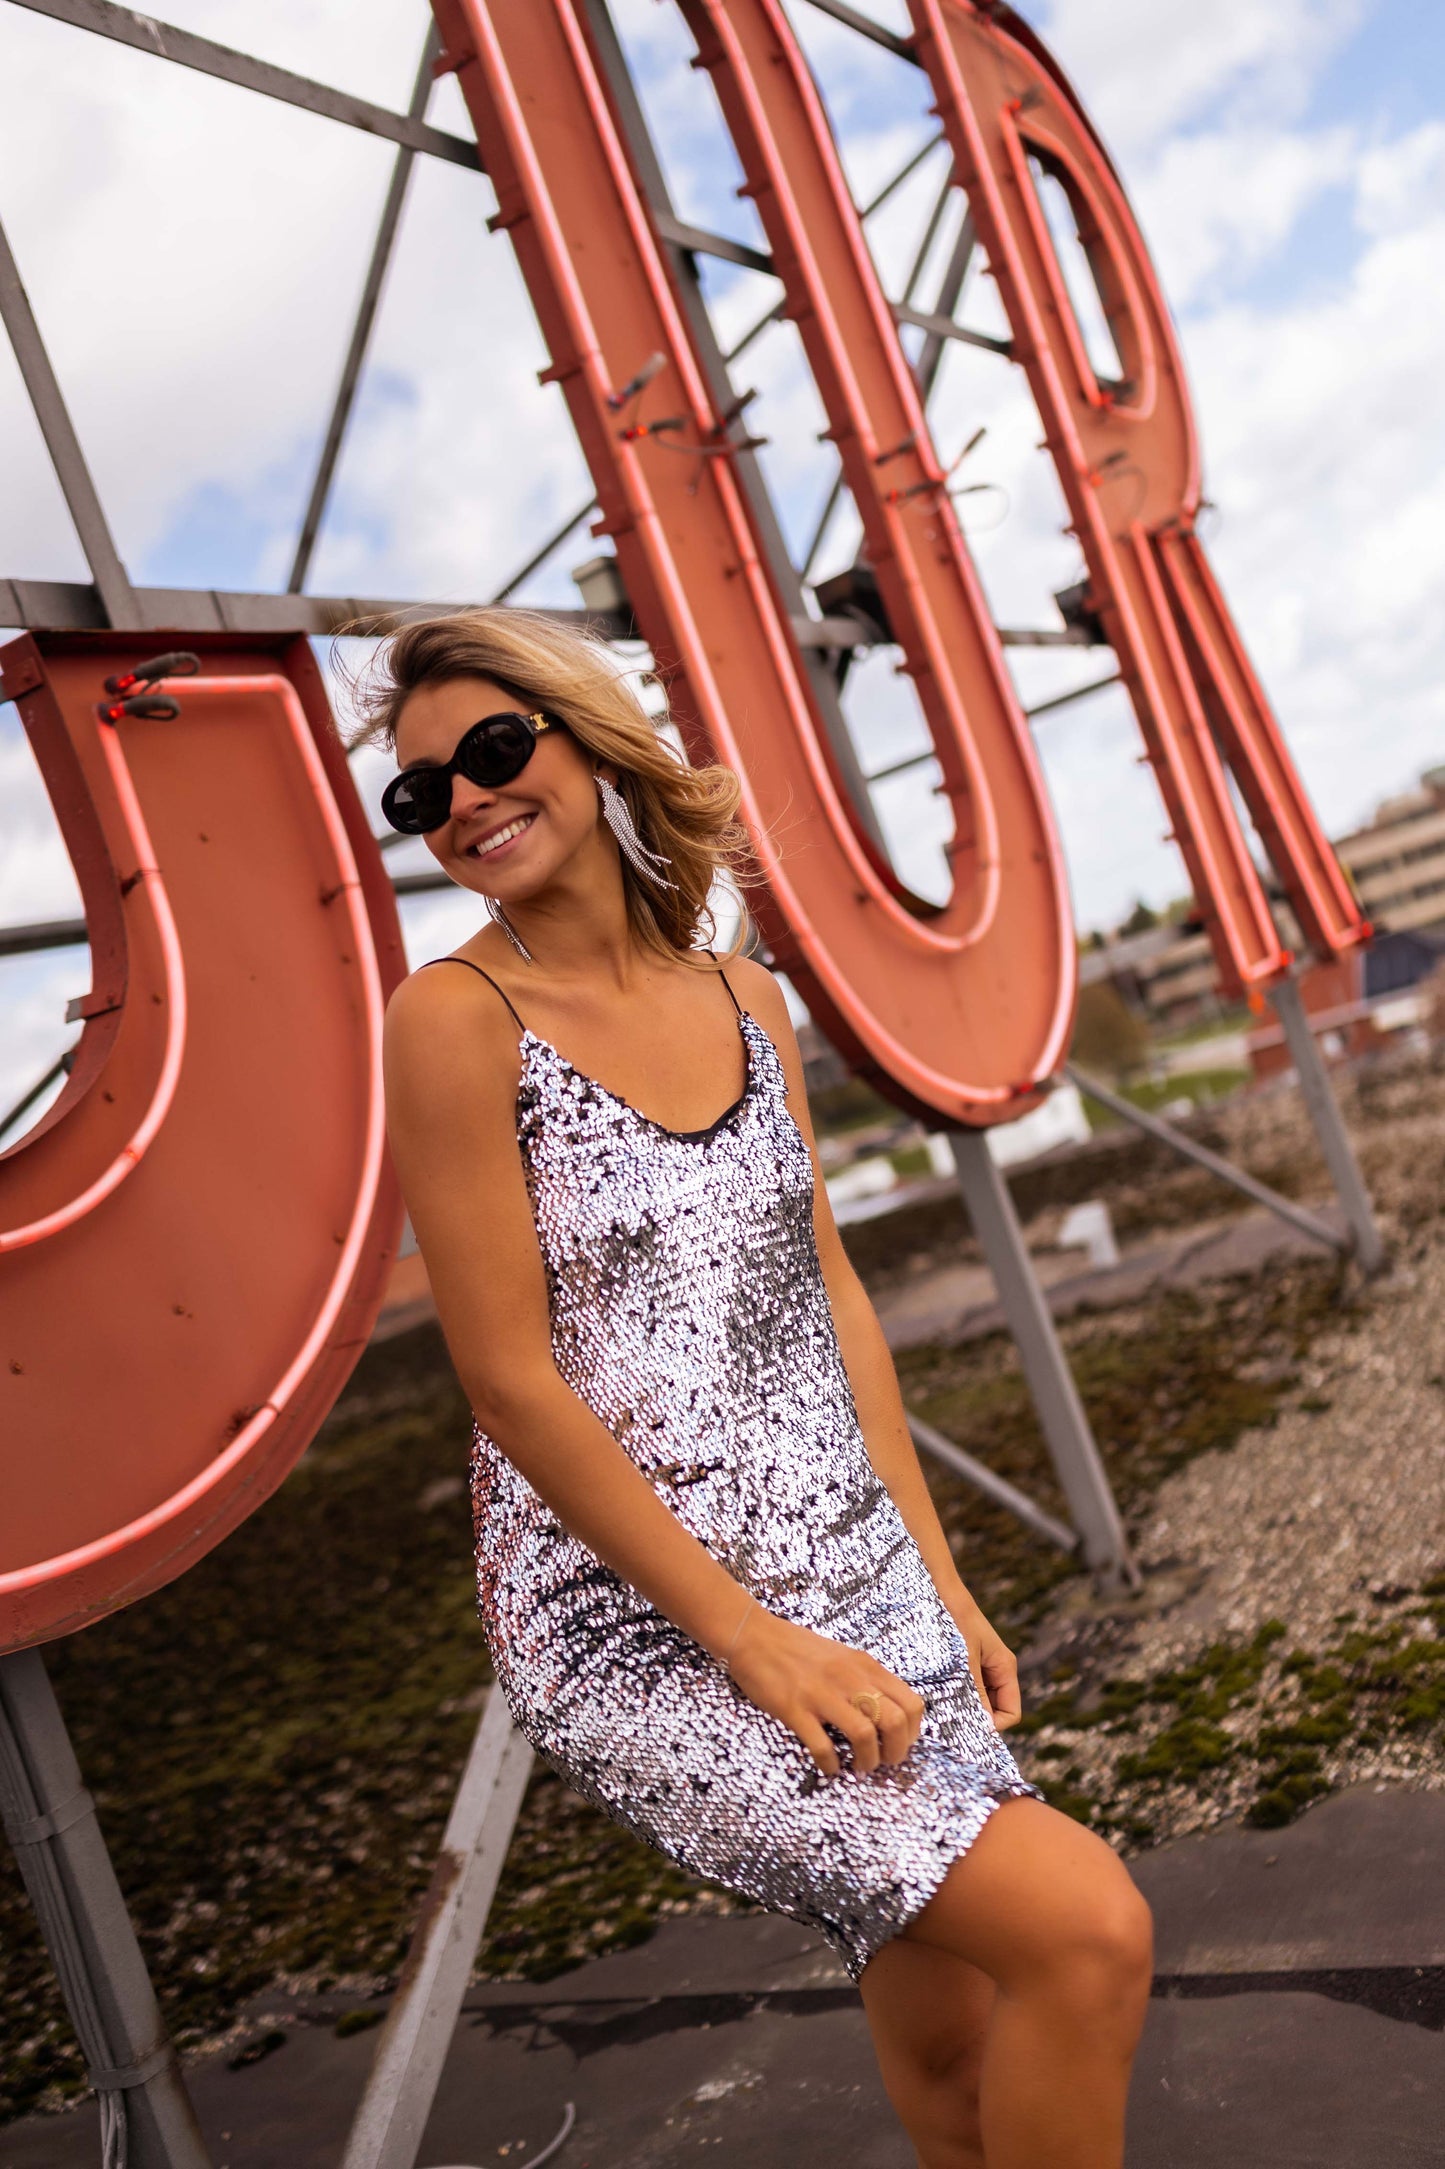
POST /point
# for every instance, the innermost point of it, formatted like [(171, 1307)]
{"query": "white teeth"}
[(500, 836)]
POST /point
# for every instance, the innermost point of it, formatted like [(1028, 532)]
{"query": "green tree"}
[(1109, 1037), (1141, 919)]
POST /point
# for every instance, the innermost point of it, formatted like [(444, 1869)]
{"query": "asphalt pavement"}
[(1298, 2022)]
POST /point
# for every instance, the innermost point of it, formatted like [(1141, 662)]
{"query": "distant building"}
[(1167, 972), (1397, 864)]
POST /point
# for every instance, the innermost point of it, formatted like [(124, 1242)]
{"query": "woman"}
[(716, 1593)]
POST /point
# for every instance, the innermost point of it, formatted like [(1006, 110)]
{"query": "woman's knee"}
[(1041, 1900), (1102, 1952)]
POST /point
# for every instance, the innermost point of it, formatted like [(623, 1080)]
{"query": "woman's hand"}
[(995, 1666), (808, 1681)]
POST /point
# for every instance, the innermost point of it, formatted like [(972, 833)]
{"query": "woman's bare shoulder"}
[(754, 984), (448, 1031), (758, 991)]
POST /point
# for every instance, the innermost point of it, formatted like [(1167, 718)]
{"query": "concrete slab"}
[(955, 1303), (1284, 2082), (1357, 1882), (740, 2039)]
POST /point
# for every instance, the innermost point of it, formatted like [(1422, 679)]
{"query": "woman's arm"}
[(451, 1087), (874, 1381)]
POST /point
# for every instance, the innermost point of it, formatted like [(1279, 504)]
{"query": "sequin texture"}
[(689, 1312)]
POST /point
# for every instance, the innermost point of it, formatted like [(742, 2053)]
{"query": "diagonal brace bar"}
[(112, 581), (365, 319), (413, 2043), (127, 27), (1324, 1113), (993, 1486), (1156, 1126)]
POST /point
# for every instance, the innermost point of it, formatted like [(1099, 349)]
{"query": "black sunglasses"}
[(491, 753)]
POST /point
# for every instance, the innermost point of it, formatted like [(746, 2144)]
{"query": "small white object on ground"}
[(1088, 1227)]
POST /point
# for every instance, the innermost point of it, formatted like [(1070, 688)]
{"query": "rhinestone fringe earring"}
[(500, 918), (633, 849)]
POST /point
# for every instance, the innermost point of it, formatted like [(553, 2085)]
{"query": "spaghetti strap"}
[(491, 982), (737, 1005)]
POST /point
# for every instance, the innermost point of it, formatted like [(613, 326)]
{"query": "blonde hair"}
[(688, 815)]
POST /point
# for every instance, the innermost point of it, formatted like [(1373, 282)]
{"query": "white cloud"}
[(1217, 205), (1149, 68)]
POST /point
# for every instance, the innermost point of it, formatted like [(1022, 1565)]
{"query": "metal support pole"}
[(935, 345), (539, 557), (365, 319), (1225, 1170), (996, 1488), (1324, 1113), (1075, 1456), (128, 27), (147, 2121), (412, 2046), (112, 581)]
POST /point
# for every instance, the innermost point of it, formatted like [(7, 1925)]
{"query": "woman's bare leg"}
[(929, 2015), (1047, 1912)]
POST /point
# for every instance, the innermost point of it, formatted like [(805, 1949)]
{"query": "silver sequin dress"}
[(689, 1312)]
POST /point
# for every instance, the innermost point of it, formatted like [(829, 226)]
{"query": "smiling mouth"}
[(499, 836)]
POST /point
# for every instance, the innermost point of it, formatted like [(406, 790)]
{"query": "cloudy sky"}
[(194, 254)]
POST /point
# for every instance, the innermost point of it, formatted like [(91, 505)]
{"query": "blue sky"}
[(1288, 166)]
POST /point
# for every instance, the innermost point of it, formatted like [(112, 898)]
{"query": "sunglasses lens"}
[(492, 752), (417, 800), (497, 750)]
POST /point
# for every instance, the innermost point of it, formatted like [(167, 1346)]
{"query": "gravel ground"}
[(1291, 1634)]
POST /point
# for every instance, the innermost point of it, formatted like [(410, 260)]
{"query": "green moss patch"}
[(1285, 1723)]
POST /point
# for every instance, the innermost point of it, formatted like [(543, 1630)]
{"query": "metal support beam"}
[(58, 1068), (927, 238), (1066, 700), (874, 203), (755, 331), (112, 581), (539, 557), (1072, 1450), (365, 318), (943, 327), (891, 187), (820, 527), (1060, 700), (163, 40), (26, 940), (72, 606), (1225, 1170), (996, 1488), (146, 2117), (854, 19), (935, 345), (1324, 1113), (701, 241), (413, 2043)]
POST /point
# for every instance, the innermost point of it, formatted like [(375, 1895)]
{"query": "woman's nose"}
[(468, 796)]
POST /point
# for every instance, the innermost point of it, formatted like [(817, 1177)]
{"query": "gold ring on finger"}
[(870, 1702)]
